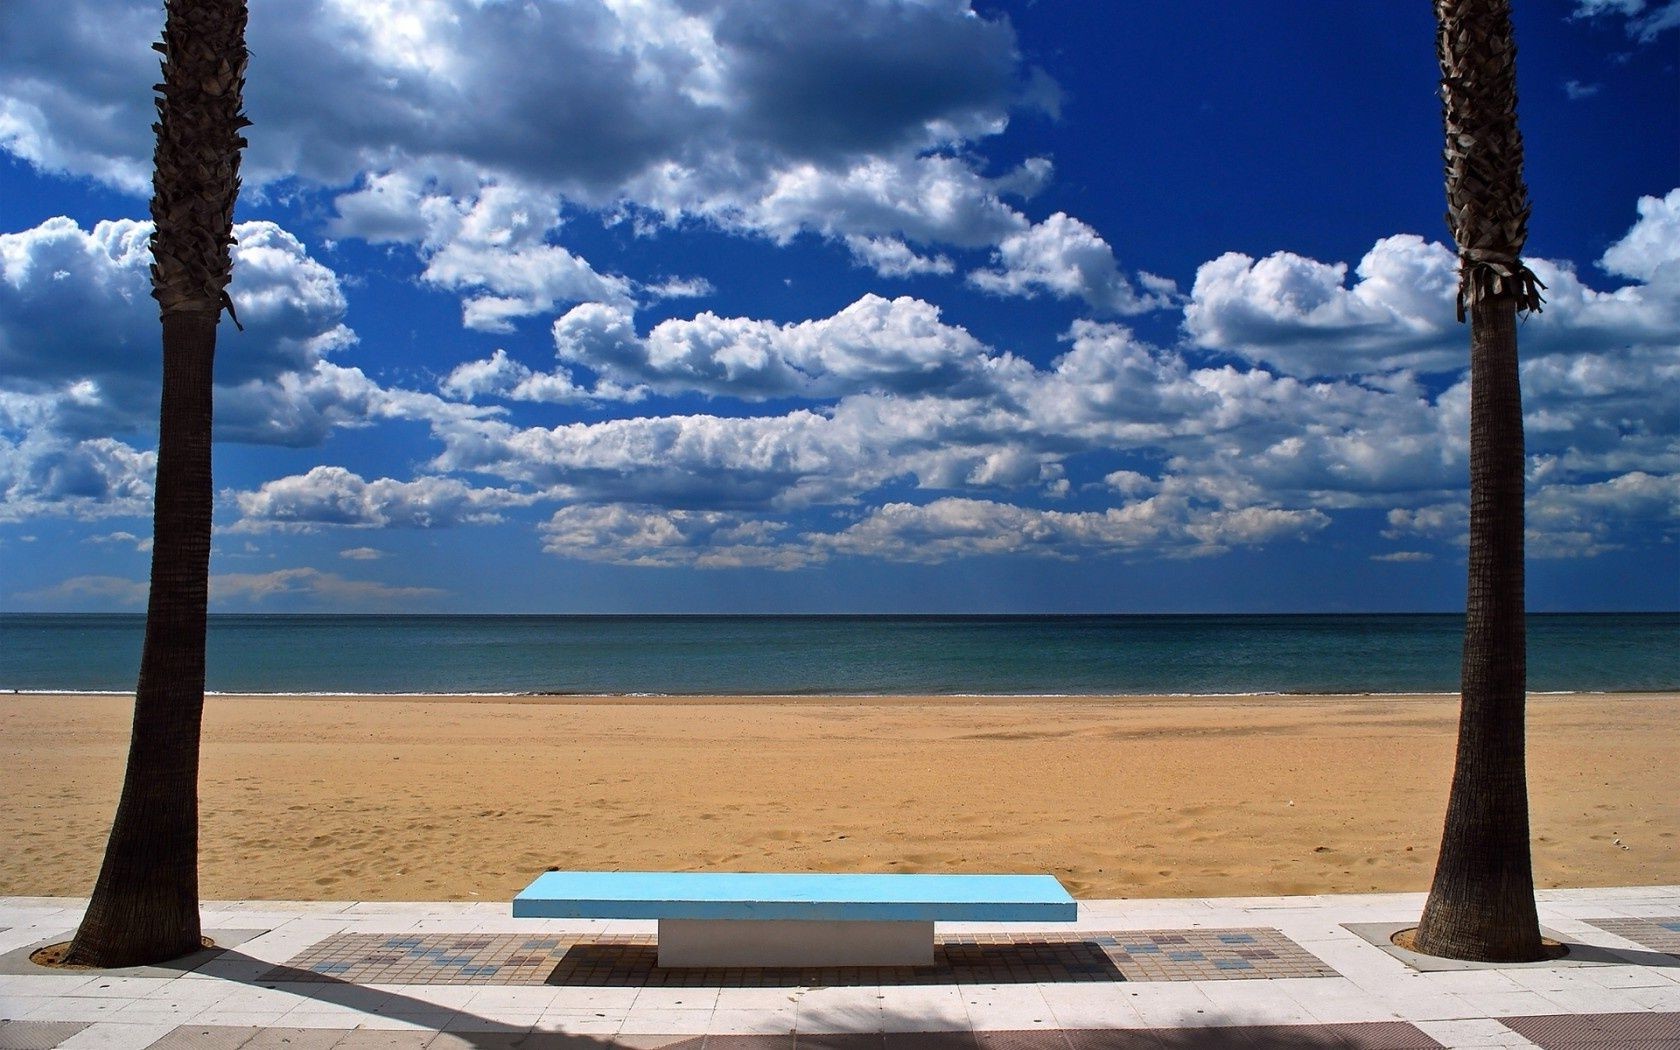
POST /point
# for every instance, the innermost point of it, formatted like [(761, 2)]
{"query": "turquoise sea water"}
[(1024, 655)]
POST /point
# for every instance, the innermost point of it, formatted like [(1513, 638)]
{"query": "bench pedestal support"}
[(776, 942)]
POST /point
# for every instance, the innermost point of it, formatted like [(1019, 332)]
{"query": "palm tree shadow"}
[(467, 1031)]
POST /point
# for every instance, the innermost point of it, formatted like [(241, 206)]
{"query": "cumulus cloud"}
[(335, 496), (78, 328), (751, 114), (1299, 316), (1650, 250), (891, 257), (1582, 520), (1066, 258), (1564, 518), (644, 535), (490, 240), (874, 344), (954, 527), (80, 362), (46, 475)]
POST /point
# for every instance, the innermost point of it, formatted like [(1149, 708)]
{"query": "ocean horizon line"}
[(843, 655), (1531, 614)]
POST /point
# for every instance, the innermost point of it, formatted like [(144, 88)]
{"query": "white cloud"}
[(1650, 250), (1294, 313), (501, 376), (335, 496), (891, 257), (1582, 520), (78, 331), (1066, 258), (315, 588), (643, 535), (362, 553), (1298, 316), (1645, 21), (126, 539), (97, 591), (603, 102), (874, 344), (1577, 90), (44, 474), (955, 527), (489, 240)]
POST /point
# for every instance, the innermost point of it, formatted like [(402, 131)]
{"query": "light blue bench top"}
[(831, 898)]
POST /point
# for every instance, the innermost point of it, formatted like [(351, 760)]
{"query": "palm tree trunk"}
[(1481, 905), (144, 907), (145, 904)]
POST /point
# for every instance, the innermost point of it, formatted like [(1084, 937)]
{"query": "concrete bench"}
[(743, 919)]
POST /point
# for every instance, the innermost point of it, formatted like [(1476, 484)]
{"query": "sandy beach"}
[(460, 798)]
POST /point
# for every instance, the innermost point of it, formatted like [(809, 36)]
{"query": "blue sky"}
[(704, 306)]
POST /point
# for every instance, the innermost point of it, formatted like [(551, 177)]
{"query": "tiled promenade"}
[(1290, 972)]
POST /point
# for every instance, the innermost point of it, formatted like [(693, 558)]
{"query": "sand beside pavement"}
[(402, 798)]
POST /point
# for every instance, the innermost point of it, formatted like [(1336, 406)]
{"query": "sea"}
[(814, 655)]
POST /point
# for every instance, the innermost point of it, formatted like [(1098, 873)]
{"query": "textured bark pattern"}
[(1481, 904), (144, 907), (1487, 201), (195, 178)]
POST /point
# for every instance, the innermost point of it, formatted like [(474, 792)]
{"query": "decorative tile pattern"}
[(1208, 955), (630, 960), (1659, 935), (359, 958)]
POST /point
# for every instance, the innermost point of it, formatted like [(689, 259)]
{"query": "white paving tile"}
[(574, 1022), (1171, 1004), (1474, 1032), (665, 1022), (1458, 1007), (1255, 1002), (753, 1022), (848, 1009), (676, 999)]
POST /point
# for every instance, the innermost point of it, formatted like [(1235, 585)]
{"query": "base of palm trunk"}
[(1408, 939)]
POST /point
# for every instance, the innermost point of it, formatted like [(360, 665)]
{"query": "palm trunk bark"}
[(144, 907), (1481, 905), (145, 903)]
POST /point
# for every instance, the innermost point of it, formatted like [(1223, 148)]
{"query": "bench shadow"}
[(609, 965)]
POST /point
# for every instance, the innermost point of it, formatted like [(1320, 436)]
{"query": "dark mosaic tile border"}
[(1648, 1031), (1660, 934), (37, 1035), (631, 960)]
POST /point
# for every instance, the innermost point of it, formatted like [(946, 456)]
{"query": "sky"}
[(640, 306)]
